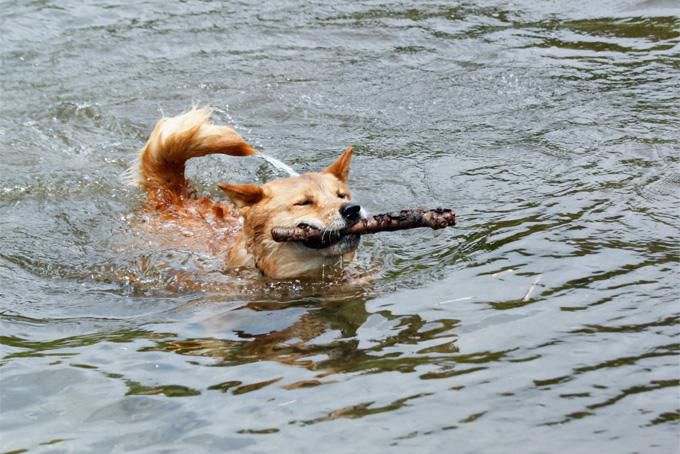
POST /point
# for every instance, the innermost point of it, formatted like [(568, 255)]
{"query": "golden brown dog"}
[(321, 200)]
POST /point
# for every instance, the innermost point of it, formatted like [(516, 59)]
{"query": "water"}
[(546, 321), (278, 165)]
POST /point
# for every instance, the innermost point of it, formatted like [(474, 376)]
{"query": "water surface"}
[(547, 321)]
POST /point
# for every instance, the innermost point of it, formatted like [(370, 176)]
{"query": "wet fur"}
[(313, 198)]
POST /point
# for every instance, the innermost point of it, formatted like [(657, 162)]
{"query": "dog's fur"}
[(313, 198)]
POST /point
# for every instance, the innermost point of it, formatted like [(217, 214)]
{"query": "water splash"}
[(278, 164)]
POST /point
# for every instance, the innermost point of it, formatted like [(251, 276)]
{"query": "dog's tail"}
[(159, 168)]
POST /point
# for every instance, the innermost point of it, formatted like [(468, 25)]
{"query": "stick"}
[(401, 220)]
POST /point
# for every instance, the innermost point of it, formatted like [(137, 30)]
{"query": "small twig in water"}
[(527, 295), (500, 273), (465, 298)]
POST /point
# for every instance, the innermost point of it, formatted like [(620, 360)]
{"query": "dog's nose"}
[(351, 212)]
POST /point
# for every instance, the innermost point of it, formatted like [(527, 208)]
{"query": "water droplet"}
[(278, 164)]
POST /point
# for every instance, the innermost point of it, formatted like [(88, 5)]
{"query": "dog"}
[(321, 199)]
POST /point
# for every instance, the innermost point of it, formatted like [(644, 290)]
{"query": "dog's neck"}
[(238, 256)]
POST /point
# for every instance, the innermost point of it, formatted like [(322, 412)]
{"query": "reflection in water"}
[(304, 343)]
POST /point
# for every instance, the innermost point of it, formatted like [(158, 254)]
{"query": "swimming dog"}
[(320, 199)]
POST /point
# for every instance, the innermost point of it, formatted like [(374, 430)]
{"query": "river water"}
[(546, 321)]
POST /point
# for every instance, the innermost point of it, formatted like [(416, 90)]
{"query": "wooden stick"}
[(400, 220)]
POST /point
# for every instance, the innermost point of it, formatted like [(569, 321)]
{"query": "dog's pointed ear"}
[(340, 168), (242, 195)]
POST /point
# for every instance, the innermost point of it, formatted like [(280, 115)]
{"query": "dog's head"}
[(321, 200)]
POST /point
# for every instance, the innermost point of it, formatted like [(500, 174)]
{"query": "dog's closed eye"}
[(305, 202)]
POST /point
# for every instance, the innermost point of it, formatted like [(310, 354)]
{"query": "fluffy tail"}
[(159, 168)]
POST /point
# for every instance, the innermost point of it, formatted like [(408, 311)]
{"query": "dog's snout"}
[(351, 212)]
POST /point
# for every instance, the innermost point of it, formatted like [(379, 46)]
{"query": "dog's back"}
[(159, 169)]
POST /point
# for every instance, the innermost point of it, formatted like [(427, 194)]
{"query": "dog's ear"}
[(340, 168), (242, 195)]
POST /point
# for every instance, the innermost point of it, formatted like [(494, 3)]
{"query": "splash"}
[(278, 164)]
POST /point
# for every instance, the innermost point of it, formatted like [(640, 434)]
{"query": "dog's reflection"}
[(322, 338), (282, 332)]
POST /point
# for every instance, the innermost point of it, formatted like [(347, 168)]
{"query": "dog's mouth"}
[(325, 239), (330, 242)]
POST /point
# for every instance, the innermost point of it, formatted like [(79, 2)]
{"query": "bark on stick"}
[(399, 220)]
